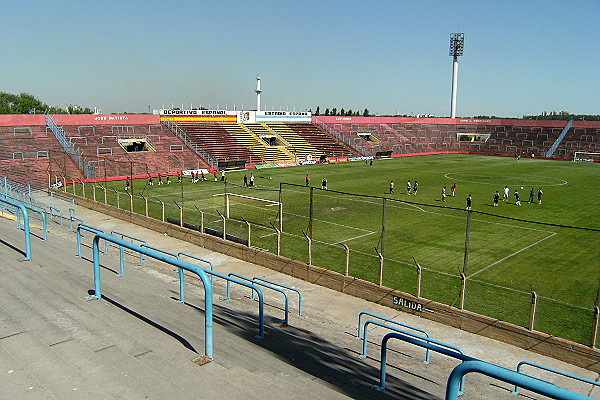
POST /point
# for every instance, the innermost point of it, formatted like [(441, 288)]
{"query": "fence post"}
[(278, 240), (94, 191), (117, 195), (162, 204), (224, 224), (467, 240), (419, 278), (130, 202), (181, 214), (380, 267), (534, 301), (249, 231), (105, 196), (463, 289), (145, 203), (201, 219), (347, 258), (595, 326)]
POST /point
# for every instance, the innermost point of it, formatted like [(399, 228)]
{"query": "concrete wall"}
[(538, 342)]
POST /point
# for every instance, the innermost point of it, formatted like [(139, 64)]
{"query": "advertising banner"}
[(183, 116), (283, 116)]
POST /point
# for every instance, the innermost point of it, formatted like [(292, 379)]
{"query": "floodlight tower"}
[(457, 44), (258, 92)]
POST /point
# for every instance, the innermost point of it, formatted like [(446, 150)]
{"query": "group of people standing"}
[(506, 196), (410, 188)]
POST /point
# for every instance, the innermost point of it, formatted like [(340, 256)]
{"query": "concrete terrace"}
[(139, 342)]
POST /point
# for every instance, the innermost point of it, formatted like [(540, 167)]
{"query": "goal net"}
[(585, 156), (253, 209)]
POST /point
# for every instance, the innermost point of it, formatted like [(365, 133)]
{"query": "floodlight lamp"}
[(457, 44)]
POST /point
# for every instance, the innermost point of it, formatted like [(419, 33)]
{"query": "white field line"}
[(513, 254)]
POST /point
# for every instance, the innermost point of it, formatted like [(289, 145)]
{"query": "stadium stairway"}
[(139, 341)]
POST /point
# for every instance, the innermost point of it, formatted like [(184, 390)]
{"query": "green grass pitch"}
[(508, 257)]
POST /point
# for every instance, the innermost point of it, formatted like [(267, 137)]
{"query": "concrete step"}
[(16, 382), (59, 377)]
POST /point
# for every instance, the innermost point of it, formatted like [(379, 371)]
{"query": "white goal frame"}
[(579, 156), (248, 200)]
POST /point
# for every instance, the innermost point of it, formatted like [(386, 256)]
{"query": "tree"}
[(327, 111), (334, 111), (342, 112), (366, 112), (318, 111)]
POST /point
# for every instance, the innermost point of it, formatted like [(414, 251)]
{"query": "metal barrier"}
[(516, 391), (20, 207), (71, 219), (35, 208), (285, 287), (208, 304), (132, 240), (58, 214), (261, 302), (285, 320), (437, 346), (365, 337), (83, 227), (535, 385), (212, 268)]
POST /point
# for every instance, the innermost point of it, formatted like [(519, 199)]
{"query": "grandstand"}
[(313, 356)]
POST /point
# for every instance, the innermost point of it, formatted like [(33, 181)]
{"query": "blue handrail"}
[(87, 228), (212, 268), (132, 240), (285, 320), (516, 391), (365, 338), (435, 345), (35, 208), (208, 304), (160, 251), (25, 226), (71, 219), (506, 375), (59, 214), (261, 301), (285, 287)]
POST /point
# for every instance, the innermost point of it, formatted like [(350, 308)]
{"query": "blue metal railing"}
[(261, 301), (535, 385), (208, 304), (285, 320), (20, 207), (86, 228), (71, 219), (285, 287), (365, 337), (362, 327), (516, 391), (32, 207), (212, 268), (435, 345), (131, 240)]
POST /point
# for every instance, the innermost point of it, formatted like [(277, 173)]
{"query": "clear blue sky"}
[(521, 57)]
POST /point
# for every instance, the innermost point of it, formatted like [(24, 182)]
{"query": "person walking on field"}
[(391, 187), (444, 194), (517, 198), (415, 187), (506, 196), (408, 187), (469, 201), (540, 193), (496, 198), (452, 189), (531, 195), (324, 184), (307, 179)]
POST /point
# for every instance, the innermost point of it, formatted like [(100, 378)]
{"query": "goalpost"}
[(586, 156), (252, 209)]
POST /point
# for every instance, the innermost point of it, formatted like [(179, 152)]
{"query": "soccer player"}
[(540, 193), (415, 187), (408, 187), (517, 198), (168, 179), (531, 195), (324, 184), (245, 180), (452, 189), (159, 179), (506, 196), (444, 194), (252, 180), (469, 200), (307, 179), (150, 180), (127, 183), (496, 198), (391, 187)]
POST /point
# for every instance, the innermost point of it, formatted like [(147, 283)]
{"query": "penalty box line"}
[(512, 255)]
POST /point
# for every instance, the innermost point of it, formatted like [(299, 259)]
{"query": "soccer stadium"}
[(248, 184), (242, 243)]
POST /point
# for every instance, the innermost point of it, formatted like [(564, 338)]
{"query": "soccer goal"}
[(585, 156), (252, 209)]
